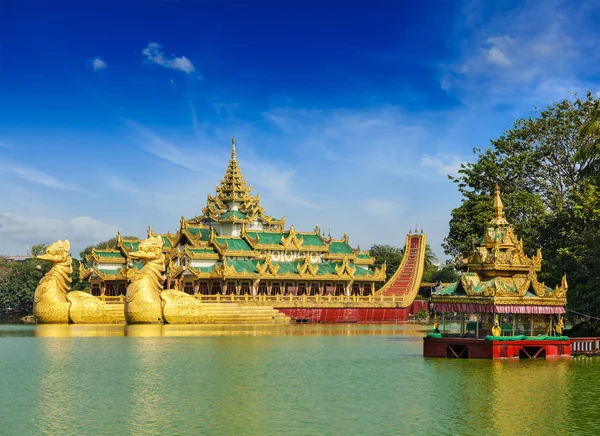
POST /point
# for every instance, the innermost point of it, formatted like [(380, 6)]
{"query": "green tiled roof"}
[(204, 232), (108, 254), (243, 265), (363, 256), (235, 244), (133, 245), (312, 240), (340, 248), (233, 213), (266, 237), (361, 272), (139, 264), (201, 250), (109, 272), (166, 242)]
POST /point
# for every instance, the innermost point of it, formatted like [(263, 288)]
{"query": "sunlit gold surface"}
[(147, 303), (142, 303), (53, 304), (499, 272)]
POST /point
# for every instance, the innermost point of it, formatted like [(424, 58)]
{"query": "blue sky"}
[(119, 115)]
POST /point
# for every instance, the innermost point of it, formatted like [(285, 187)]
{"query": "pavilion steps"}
[(117, 311)]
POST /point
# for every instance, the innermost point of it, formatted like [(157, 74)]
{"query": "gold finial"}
[(499, 218), (233, 156)]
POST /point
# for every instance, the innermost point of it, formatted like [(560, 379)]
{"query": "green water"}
[(271, 380)]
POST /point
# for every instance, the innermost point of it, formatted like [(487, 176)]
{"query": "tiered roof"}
[(498, 272), (233, 201), (258, 251)]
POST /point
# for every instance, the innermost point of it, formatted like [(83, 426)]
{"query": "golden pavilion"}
[(234, 247), (504, 310)]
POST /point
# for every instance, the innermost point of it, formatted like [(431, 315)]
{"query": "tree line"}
[(548, 167)]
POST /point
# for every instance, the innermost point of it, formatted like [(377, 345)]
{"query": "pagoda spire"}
[(233, 155), (499, 218)]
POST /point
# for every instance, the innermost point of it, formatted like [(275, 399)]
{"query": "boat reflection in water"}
[(182, 330)]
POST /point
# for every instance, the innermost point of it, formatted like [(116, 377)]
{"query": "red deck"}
[(358, 315), (469, 348)]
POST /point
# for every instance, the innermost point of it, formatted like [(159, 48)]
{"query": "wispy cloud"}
[(522, 55), (444, 164), (20, 230), (118, 183), (33, 175), (98, 64), (154, 53)]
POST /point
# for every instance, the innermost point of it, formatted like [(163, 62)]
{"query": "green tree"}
[(16, 294), (388, 254), (110, 244), (392, 257), (547, 167)]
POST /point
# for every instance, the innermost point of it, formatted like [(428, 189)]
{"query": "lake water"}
[(271, 380)]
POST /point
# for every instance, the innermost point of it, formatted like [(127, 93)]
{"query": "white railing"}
[(585, 345)]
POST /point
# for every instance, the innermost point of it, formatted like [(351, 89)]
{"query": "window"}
[(188, 287), (355, 289), (230, 288), (96, 289), (302, 289), (216, 288), (339, 289), (314, 288), (275, 289), (122, 289), (262, 288), (367, 289), (203, 288), (109, 291), (245, 288)]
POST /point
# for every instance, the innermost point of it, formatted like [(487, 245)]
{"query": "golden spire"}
[(233, 156), (499, 218)]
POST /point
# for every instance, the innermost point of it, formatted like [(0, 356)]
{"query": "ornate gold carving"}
[(52, 304), (143, 303), (345, 268)]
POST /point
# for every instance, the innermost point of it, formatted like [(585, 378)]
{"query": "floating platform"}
[(497, 347)]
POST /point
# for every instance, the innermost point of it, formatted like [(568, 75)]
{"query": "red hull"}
[(357, 315), (466, 348)]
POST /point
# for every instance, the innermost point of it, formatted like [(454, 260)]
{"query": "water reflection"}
[(295, 380), (105, 330), (53, 413)]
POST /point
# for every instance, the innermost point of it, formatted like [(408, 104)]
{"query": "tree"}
[(392, 256), (388, 254), (548, 169), (16, 294), (110, 244)]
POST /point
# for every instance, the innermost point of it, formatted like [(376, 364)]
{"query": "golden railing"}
[(275, 300)]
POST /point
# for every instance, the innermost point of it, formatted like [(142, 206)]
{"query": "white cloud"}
[(19, 231), (98, 64), (35, 176), (520, 56), (154, 53), (443, 164)]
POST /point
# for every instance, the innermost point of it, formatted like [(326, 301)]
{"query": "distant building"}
[(19, 258)]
